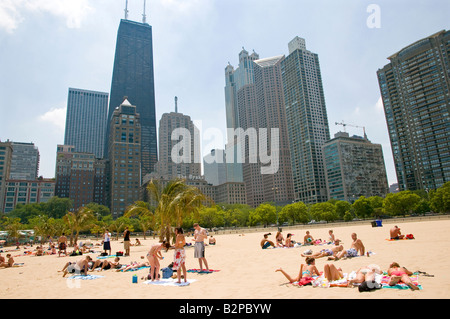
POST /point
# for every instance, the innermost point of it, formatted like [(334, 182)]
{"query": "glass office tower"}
[(133, 78), (415, 88), (86, 121)]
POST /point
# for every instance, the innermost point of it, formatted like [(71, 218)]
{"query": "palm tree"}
[(78, 221), (145, 213), (173, 203)]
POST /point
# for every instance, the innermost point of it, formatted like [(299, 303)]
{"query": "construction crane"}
[(345, 124)]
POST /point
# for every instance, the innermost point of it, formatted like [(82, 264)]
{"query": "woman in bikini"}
[(153, 257), (179, 255), (306, 272), (279, 239), (400, 274)]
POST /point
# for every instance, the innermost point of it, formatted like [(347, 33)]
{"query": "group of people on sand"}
[(154, 256), (179, 257), (281, 242), (365, 276)]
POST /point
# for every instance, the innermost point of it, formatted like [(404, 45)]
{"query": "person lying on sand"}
[(327, 252), (365, 278), (356, 248), (400, 274)]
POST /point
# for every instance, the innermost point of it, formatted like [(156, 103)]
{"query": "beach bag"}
[(410, 236), (119, 253), (166, 272)]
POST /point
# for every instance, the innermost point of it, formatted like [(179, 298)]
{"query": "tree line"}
[(179, 205)]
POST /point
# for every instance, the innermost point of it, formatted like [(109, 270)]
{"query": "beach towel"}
[(104, 257), (400, 285), (87, 277), (169, 282), (198, 271)]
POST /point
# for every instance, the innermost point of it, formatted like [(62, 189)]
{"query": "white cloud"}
[(74, 12), (55, 117), (9, 16)]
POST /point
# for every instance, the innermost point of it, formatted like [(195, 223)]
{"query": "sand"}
[(245, 270)]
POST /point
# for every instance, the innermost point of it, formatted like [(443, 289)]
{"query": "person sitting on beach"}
[(279, 239), (365, 278), (266, 243), (308, 239), (212, 240), (400, 274), (330, 253), (395, 233), (81, 266), (356, 248), (138, 243), (39, 251), (9, 263), (289, 241), (305, 274)]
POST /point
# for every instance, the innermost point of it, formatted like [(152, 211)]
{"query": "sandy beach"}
[(245, 271)]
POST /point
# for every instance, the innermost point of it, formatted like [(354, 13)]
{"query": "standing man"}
[(199, 237), (107, 241), (62, 245), (126, 241)]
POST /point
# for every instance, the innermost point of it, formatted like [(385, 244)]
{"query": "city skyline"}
[(193, 43)]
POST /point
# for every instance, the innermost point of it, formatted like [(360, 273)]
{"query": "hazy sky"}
[(47, 46)]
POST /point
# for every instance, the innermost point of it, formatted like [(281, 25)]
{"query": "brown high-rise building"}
[(124, 158)]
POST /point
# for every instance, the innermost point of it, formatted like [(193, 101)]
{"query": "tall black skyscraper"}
[(133, 78)]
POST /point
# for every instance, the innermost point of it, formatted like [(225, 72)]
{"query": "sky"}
[(49, 46)]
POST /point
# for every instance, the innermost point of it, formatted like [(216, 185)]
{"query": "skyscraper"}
[(24, 161), (180, 137), (124, 158), (415, 88), (354, 167), (86, 121), (307, 121), (133, 78), (260, 106)]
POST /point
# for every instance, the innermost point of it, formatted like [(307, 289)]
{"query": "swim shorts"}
[(199, 251), (352, 252)]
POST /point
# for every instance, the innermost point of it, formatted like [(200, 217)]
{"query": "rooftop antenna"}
[(176, 104), (126, 10), (144, 16)]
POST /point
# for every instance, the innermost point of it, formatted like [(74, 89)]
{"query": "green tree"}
[(323, 211), (363, 207), (400, 203), (440, 199), (295, 212), (265, 214), (341, 208)]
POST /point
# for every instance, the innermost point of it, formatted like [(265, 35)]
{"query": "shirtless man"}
[(62, 245), (395, 233), (265, 242), (81, 266), (153, 257), (199, 237), (365, 278), (356, 247), (9, 263)]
